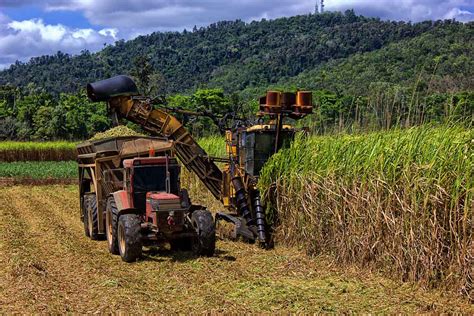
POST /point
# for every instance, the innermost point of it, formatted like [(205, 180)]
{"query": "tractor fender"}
[(123, 202)]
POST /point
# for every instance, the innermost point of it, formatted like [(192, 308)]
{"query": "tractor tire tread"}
[(132, 230), (95, 218), (205, 241), (112, 206)]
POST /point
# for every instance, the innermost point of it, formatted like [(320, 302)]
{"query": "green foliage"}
[(366, 75), (386, 107), (39, 169), (149, 81), (12, 145), (43, 117), (210, 103), (437, 60), (388, 156), (213, 145), (73, 117), (212, 100)]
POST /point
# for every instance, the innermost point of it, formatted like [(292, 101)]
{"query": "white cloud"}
[(143, 16), (82, 33), (134, 17), (109, 32), (21, 40), (461, 15), (49, 33), (408, 10)]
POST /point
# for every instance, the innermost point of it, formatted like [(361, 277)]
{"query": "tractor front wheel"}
[(129, 237), (204, 241)]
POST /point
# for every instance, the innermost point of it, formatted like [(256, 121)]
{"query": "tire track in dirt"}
[(50, 288), (24, 276), (75, 266), (70, 277), (131, 283), (55, 269), (83, 270), (148, 276)]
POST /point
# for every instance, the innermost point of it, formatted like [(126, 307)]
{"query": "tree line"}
[(366, 74), (39, 115)]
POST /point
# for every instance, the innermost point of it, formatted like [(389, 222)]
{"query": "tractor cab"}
[(153, 188), (258, 143), (254, 145)]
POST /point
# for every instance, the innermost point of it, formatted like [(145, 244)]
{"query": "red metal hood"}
[(161, 196)]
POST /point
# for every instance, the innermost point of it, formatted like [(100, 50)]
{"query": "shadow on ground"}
[(162, 254)]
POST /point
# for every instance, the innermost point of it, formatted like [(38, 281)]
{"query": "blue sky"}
[(36, 27), (74, 19)]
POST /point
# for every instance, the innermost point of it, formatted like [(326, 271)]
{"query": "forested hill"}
[(237, 55)]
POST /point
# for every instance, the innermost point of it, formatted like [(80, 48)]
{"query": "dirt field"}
[(47, 265)]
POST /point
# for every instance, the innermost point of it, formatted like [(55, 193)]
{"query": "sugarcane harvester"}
[(248, 147)]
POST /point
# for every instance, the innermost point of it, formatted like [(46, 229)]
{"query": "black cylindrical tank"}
[(116, 86)]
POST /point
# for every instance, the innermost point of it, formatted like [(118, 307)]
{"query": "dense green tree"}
[(43, 117), (211, 104), (142, 71), (42, 123)]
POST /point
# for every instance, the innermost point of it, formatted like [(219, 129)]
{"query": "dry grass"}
[(37, 151), (48, 266), (4, 182)]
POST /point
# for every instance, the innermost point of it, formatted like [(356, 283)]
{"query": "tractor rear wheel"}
[(92, 217), (111, 218), (204, 241), (129, 237)]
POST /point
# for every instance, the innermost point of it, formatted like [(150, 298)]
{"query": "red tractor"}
[(136, 200)]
